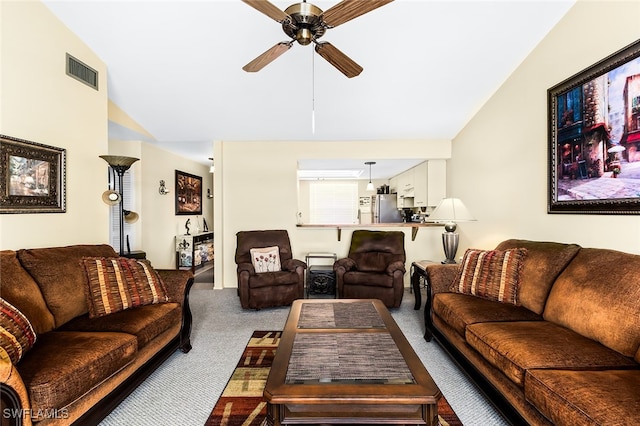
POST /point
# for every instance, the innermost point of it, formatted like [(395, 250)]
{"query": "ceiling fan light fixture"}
[(304, 36)]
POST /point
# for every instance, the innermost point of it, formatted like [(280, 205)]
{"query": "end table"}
[(320, 278), (418, 272), (135, 254)]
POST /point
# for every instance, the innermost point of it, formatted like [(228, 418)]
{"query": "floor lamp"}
[(450, 211), (120, 164)]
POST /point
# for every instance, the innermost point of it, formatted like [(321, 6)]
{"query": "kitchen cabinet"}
[(421, 186), (406, 183), (436, 181), (405, 189), (420, 175), (393, 185)]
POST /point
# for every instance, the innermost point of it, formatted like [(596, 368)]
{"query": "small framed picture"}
[(33, 177), (188, 194)]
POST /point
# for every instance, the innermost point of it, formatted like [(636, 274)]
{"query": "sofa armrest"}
[(246, 267), (178, 283), (347, 264), (441, 276), (293, 264), (396, 266), (175, 280), (15, 398)]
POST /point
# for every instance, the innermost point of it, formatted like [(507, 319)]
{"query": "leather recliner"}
[(374, 268), (268, 289)]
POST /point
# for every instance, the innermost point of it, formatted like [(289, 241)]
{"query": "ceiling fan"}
[(306, 23)]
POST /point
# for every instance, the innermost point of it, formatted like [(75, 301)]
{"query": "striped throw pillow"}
[(118, 283), (16, 333), (491, 274)]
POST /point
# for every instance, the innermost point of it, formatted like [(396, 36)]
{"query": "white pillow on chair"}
[(266, 259)]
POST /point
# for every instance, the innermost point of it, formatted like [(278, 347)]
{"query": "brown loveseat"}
[(79, 368), (569, 354)]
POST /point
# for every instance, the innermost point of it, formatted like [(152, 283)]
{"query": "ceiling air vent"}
[(82, 72)]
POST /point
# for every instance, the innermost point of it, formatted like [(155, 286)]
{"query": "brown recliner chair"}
[(374, 269), (267, 289)]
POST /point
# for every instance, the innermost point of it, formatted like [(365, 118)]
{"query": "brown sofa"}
[(569, 354), (374, 267), (80, 368)]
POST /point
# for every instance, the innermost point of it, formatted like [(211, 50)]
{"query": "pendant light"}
[(370, 184)]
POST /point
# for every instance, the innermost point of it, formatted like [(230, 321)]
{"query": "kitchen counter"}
[(413, 225)]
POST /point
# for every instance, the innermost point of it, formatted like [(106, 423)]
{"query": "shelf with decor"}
[(194, 250)]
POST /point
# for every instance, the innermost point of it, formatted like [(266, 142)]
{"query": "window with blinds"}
[(333, 203)]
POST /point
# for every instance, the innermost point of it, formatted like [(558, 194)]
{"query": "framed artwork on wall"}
[(594, 138), (188, 194), (33, 177)]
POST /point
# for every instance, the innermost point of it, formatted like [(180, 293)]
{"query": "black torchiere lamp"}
[(120, 165)]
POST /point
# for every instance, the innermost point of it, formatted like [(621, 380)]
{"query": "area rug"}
[(241, 402)]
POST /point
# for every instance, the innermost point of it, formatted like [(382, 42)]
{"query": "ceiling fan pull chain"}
[(313, 93)]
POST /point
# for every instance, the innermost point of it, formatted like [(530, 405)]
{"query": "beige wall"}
[(158, 224), (256, 188), (499, 161), (161, 224), (40, 103)]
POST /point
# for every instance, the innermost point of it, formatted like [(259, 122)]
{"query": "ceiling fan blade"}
[(268, 9), (346, 10), (267, 57), (338, 59)]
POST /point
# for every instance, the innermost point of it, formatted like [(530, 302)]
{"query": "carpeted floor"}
[(241, 402), (184, 390)]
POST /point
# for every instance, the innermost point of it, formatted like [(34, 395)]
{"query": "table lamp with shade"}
[(450, 211)]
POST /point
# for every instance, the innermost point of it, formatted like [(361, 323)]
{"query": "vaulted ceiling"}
[(175, 67)]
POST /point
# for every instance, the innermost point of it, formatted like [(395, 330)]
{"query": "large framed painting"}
[(33, 177), (188, 194), (594, 138)]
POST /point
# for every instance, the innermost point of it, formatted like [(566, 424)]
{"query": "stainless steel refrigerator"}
[(385, 208)]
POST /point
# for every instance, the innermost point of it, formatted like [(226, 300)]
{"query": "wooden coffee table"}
[(347, 362)]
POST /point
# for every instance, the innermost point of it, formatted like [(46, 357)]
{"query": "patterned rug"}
[(241, 402)]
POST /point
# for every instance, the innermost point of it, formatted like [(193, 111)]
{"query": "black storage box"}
[(321, 280)]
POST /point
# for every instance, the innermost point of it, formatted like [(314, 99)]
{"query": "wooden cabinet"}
[(194, 250)]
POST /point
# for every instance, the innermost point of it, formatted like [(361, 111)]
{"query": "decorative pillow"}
[(16, 333), (265, 259), (118, 283), (491, 274)]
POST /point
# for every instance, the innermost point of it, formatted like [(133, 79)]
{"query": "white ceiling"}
[(429, 66)]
